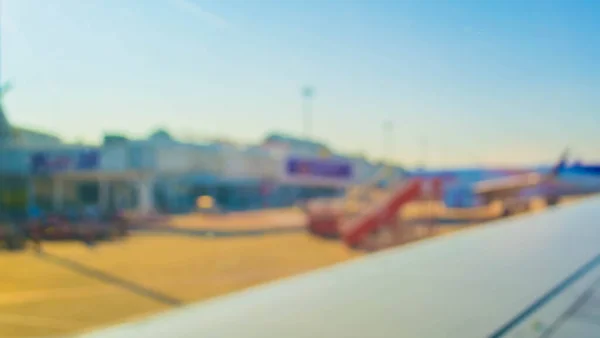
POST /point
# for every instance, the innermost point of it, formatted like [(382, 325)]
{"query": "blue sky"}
[(476, 81)]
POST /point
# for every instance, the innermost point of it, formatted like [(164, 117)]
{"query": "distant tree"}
[(161, 135)]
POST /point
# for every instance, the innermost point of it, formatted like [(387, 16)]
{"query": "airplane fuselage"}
[(575, 180)]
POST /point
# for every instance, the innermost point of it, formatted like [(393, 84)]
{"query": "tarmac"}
[(72, 288)]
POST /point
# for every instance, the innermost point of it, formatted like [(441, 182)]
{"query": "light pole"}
[(388, 140), (388, 143), (307, 95), (425, 148)]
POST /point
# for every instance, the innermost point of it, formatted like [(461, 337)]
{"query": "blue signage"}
[(319, 168), (48, 162), (38, 162), (43, 163), (88, 160)]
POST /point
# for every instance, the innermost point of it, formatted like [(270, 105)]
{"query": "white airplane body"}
[(576, 183), (517, 190), (527, 185), (532, 276)]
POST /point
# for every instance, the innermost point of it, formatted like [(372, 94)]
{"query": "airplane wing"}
[(531, 276)]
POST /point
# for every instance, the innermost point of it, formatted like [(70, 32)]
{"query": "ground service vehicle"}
[(11, 235)]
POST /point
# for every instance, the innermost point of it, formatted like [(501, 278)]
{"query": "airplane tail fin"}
[(560, 165)]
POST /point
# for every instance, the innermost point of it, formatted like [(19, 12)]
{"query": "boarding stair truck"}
[(383, 213), (331, 218), (324, 214)]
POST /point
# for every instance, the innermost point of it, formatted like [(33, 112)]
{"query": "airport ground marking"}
[(111, 279)]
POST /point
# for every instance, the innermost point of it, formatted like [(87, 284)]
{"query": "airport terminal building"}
[(163, 174)]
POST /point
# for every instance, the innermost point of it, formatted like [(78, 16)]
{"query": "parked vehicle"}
[(12, 236), (77, 226)]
